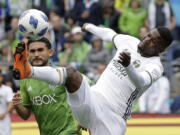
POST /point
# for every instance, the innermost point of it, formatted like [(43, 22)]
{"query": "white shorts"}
[(5, 126), (92, 111)]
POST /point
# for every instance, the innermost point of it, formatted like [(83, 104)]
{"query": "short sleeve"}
[(24, 94), (9, 94)]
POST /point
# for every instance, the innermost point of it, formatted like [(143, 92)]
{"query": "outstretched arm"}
[(105, 34)]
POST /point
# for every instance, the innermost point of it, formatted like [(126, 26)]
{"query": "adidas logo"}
[(29, 88)]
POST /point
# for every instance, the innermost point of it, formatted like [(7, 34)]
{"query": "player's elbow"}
[(73, 80), (141, 84)]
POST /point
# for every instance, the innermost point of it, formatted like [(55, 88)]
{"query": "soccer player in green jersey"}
[(46, 101)]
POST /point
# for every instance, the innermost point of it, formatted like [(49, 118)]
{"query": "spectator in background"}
[(96, 57), (59, 29), (69, 5), (80, 47), (70, 22), (134, 13), (16, 7), (107, 16), (160, 14), (76, 49), (121, 5), (110, 18), (92, 12), (59, 6), (118, 8), (145, 3), (2, 8), (2, 16), (14, 35), (6, 57), (66, 57), (176, 8), (156, 98), (74, 9), (6, 95), (48, 5), (2, 32), (10, 81), (175, 76), (175, 107), (106, 3)]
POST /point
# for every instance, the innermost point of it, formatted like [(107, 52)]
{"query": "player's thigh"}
[(83, 104)]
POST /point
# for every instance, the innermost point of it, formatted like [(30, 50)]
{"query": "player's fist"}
[(124, 58), (16, 99), (84, 27)]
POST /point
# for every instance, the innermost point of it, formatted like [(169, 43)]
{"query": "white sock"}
[(56, 76)]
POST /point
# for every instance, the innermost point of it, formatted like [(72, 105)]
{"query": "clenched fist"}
[(17, 99), (124, 58)]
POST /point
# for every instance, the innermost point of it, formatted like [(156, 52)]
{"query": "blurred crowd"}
[(88, 53)]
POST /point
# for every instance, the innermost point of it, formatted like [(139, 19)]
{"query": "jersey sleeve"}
[(24, 94), (121, 39), (9, 94), (155, 71)]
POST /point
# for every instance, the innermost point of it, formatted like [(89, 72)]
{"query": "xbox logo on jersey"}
[(44, 99)]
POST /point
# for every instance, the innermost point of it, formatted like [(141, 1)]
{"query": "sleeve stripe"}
[(150, 77), (113, 40)]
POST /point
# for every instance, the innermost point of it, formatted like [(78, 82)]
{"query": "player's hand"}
[(84, 26), (124, 58), (17, 99), (2, 116)]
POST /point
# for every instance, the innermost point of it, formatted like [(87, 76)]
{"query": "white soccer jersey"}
[(6, 95), (114, 83)]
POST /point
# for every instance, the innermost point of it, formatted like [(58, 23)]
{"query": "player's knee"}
[(73, 80)]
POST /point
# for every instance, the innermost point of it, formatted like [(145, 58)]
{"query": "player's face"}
[(151, 44), (39, 54)]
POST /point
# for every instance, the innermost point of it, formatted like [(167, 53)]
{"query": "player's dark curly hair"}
[(166, 35), (44, 40)]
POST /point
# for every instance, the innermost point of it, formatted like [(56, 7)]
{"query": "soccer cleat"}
[(21, 67)]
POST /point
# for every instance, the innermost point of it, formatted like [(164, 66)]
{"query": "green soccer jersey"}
[(49, 104)]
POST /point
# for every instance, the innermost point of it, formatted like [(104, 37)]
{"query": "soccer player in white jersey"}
[(6, 95), (105, 107)]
